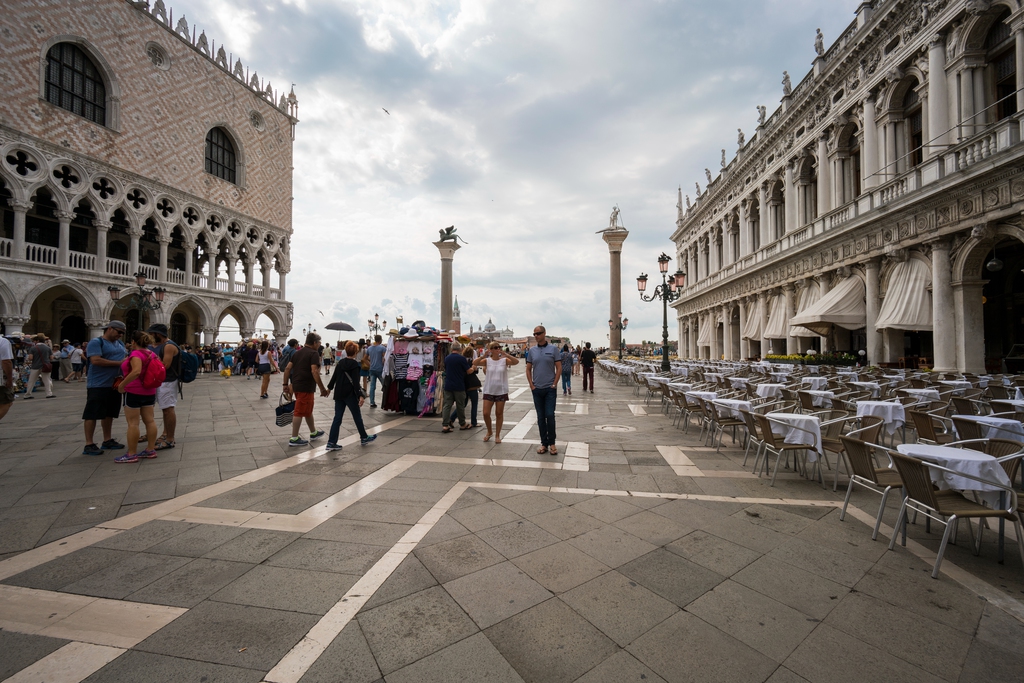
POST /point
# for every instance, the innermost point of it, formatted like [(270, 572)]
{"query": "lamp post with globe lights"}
[(620, 325), (376, 327), (667, 291), (141, 300)]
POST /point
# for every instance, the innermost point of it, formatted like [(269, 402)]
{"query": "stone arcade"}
[(129, 146), (896, 160)]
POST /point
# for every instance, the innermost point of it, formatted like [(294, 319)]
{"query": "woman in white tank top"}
[(495, 365)]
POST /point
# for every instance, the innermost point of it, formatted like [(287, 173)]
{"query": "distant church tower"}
[(456, 318)]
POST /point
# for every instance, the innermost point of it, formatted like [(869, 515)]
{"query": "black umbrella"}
[(341, 326)]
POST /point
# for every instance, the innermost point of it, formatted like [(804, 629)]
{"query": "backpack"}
[(153, 374), (189, 367)]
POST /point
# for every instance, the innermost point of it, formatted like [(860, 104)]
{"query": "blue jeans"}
[(374, 376), (352, 403), (544, 400), (567, 381)]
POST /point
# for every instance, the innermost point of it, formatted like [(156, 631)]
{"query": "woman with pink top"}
[(138, 400)]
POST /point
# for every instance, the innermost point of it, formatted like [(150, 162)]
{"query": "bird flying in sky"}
[(386, 111)]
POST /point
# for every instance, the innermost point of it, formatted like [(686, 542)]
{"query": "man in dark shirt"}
[(455, 368), (587, 359), (304, 373)]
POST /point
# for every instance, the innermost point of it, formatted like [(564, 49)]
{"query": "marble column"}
[(281, 289), (250, 267), (162, 271), (614, 239), (96, 328), (869, 150), (102, 228), (15, 324), (265, 270), (232, 263), (765, 215), (969, 313), (447, 251), (20, 209), (982, 113), (745, 245), (133, 251), (63, 247), (966, 103), (938, 96), (791, 201), (824, 286), (744, 343), (792, 343), (891, 164), (944, 333), (824, 178), (189, 263), (713, 327), (871, 269), (209, 335), (764, 298), (1018, 37), (211, 282), (727, 332)]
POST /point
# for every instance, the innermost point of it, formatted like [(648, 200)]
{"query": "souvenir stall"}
[(414, 370)]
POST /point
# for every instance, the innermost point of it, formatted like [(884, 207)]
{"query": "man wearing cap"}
[(65, 360), (103, 402), (167, 393)]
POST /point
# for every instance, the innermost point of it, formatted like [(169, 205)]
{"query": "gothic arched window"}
[(220, 154), (74, 83)]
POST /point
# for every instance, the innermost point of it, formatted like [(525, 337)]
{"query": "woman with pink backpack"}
[(140, 379)]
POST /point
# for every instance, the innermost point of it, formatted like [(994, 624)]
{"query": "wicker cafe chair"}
[(773, 444), (753, 436), (1002, 450), (947, 507), (963, 406), (967, 429), (924, 423), (720, 422), (866, 474), (869, 430)]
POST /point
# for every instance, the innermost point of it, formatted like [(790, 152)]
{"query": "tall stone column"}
[(967, 103), (209, 335), (133, 254), (727, 333), (792, 343), (791, 202), (447, 251), (969, 312), (211, 283), (162, 271), (232, 263), (745, 242), (764, 215), (266, 281), (744, 343), (102, 228), (943, 322), (824, 287), (250, 267), (870, 147), (281, 277), (824, 178), (1018, 37), (871, 269), (765, 299), (96, 328), (938, 95), (63, 246), (20, 209), (614, 239), (189, 265)]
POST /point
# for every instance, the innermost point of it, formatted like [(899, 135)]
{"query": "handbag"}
[(359, 390), (285, 411)]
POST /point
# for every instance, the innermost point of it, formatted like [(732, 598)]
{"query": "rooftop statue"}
[(819, 44), (762, 112), (787, 85)]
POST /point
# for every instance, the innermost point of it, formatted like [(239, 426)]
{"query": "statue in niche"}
[(448, 235), (741, 139), (762, 113), (819, 44), (707, 174), (787, 85)]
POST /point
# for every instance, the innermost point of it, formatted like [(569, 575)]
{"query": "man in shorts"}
[(167, 393), (6, 376), (303, 372), (103, 402)]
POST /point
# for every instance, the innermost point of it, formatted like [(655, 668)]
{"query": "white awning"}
[(842, 306), (752, 330), (777, 319), (704, 331), (809, 296), (908, 303)]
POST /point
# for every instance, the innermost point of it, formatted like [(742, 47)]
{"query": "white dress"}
[(496, 381)]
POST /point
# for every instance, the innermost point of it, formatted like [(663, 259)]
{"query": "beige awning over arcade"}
[(908, 303), (842, 306), (704, 332), (752, 329), (777, 319), (809, 296)]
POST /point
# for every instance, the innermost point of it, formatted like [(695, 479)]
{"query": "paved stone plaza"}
[(635, 554)]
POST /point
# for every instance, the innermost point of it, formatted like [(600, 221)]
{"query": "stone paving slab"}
[(444, 569)]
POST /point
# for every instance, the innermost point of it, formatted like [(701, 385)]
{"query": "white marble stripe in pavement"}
[(518, 392), (678, 461), (69, 664), (637, 410), (522, 429)]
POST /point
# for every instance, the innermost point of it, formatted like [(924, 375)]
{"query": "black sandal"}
[(163, 445)]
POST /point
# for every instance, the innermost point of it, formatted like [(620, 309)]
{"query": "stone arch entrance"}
[(187, 321), (57, 302)]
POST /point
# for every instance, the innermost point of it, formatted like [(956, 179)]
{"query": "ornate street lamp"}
[(667, 291), (375, 326), (141, 300), (620, 325)]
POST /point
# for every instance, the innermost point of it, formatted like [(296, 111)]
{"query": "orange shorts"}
[(303, 404)]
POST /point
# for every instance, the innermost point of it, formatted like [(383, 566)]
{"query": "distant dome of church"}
[(489, 327)]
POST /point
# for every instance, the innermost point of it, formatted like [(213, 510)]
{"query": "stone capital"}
[(939, 244), (19, 205), (447, 249), (102, 225), (615, 238), (65, 216)]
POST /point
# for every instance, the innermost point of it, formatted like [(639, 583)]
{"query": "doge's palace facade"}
[(130, 144), (879, 208)]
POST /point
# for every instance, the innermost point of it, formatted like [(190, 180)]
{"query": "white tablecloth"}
[(681, 371), (680, 386), (769, 390), (793, 430), (963, 460), (927, 394), (848, 373), (815, 382), (875, 388), (732, 407), (821, 399), (958, 385), (812, 368), (891, 413), (738, 382), (997, 427), (781, 376), (1019, 395), (706, 395), (713, 376)]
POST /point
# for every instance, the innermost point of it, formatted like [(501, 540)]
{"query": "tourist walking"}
[(376, 354), (167, 393), (6, 376), (65, 361), (543, 366), (303, 373), (587, 360), (39, 357), (138, 398), (267, 366), (495, 386), (473, 385), (364, 364), (455, 367), (103, 402), (77, 362), (576, 360), (347, 394), (567, 366)]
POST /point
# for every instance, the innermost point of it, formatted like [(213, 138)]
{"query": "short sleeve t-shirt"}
[(455, 367), (41, 353), (76, 356), (6, 353), (377, 357), (101, 376), (543, 359), (302, 370), (587, 358)]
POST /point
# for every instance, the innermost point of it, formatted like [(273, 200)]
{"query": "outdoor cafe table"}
[(781, 376), (733, 406), (964, 460), (738, 382), (713, 376), (875, 388), (929, 394), (892, 413), (997, 427), (706, 395), (680, 386), (848, 373), (820, 399), (1019, 394), (958, 385), (797, 428), (812, 368), (769, 390), (815, 382)]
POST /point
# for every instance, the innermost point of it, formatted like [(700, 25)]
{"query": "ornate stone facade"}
[(903, 139), (89, 202)]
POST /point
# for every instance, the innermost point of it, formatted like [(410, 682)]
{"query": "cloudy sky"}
[(520, 122)]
